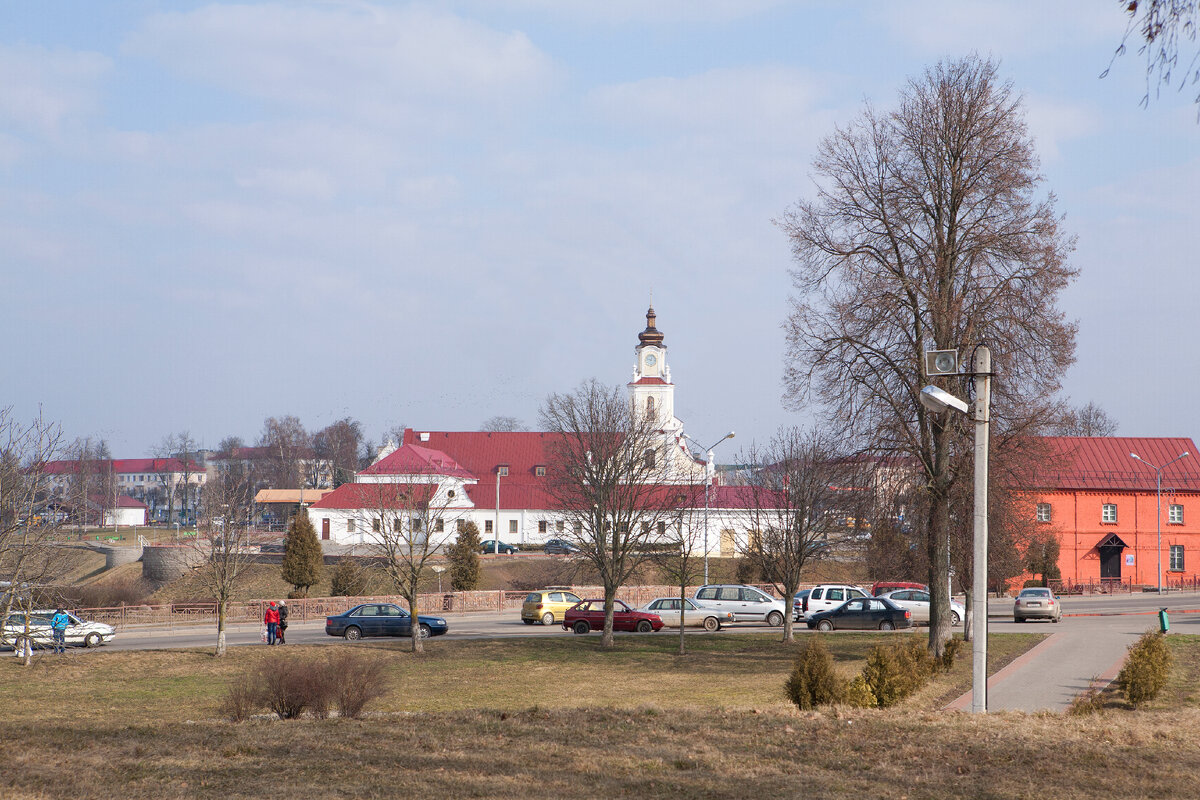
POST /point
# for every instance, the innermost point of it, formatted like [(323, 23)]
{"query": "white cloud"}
[(1054, 121), (374, 62), (617, 12), (43, 88)]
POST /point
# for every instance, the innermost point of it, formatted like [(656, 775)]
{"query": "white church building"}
[(498, 479)]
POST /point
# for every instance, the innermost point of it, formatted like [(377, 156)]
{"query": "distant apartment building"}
[(169, 488)]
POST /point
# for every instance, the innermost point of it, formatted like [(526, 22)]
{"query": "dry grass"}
[(516, 718)]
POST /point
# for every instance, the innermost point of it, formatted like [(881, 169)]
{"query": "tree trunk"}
[(789, 628), (418, 646), (969, 619), (682, 617), (222, 614), (606, 639), (939, 568)]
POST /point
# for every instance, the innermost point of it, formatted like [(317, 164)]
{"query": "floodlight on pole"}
[(1158, 471), (710, 470)]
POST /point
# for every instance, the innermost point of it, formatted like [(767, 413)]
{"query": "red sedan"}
[(587, 615)]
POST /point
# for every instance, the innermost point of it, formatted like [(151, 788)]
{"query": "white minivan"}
[(747, 603)]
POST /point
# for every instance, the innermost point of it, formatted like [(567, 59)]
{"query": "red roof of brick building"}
[(1104, 463)]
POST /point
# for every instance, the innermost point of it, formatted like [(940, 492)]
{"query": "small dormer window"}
[(539, 472), (502, 470)]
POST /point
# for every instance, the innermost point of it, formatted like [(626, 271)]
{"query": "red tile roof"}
[(411, 459), (122, 466), (650, 382), (481, 452), (122, 501), (1104, 463), (376, 495)]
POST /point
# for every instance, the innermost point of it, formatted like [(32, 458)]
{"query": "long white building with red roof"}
[(498, 480)]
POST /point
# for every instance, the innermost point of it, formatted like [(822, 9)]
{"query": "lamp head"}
[(939, 400)]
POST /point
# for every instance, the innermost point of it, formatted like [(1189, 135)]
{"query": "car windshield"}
[(1035, 593)]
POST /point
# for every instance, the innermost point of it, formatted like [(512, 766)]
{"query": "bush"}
[(464, 560), (349, 579), (1146, 669), (356, 680), (953, 646), (747, 571), (124, 591), (858, 694), (813, 681), (240, 701), (289, 686), (894, 673), (1036, 583)]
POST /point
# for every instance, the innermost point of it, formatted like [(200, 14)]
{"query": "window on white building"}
[(579, 529), (1043, 512), (512, 526), (487, 526), (376, 524), (1108, 512), (349, 526), (559, 526), (439, 526), (543, 526), (1176, 558), (1175, 514)]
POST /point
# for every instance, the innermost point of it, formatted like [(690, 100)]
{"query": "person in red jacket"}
[(271, 618)]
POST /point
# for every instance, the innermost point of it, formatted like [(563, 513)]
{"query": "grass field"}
[(555, 718)]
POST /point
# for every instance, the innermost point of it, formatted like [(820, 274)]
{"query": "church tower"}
[(651, 392)]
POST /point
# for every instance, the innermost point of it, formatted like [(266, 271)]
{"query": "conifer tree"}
[(303, 561), (464, 559)]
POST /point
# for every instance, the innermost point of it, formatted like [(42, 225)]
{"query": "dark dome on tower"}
[(651, 335)]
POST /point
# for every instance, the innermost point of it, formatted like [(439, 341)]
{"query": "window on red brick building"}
[(1108, 512), (1176, 558), (1175, 514), (1043, 512)]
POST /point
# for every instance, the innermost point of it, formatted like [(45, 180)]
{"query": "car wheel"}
[(824, 625), (887, 625), (425, 631), (547, 618), (644, 626), (527, 621), (353, 634), (774, 619), (581, 627), (712, 624), (1056, 619), (92, 640), (955, 620), (1018, 619)]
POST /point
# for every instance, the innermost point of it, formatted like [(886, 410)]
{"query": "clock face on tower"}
[(651, 360)]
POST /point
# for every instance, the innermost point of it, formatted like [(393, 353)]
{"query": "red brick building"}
[(1103, 505)]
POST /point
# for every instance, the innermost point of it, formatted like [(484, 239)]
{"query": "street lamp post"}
[(1158, 471), (710, 470), (939, 400)]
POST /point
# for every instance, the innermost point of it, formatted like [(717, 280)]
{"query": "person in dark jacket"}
[(271, 618), (283, 615)]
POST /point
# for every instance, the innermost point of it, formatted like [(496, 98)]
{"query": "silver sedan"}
[(917, 601), (694, 615)]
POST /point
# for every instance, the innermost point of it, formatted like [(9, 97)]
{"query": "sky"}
[(429, 214)]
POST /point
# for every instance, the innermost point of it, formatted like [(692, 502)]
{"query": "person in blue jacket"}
[(59, 623)]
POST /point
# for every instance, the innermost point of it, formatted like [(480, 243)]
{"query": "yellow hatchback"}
[(547, 605)]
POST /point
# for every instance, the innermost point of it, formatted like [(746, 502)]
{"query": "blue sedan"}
[(381, 619)]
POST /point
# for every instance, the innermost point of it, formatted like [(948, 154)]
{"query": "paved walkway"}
[(1077, 652)]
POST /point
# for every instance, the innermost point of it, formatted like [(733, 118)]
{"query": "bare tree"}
[(1161, 29), (680, 555), (406, 525), (335, 453), (927, 232), (289, 447), (1088, 420), (501, 423), (177, 484), (31, 519), (222, 551), (606, 474), (792, 500)]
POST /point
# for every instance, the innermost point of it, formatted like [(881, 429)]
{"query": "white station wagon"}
[(79, 632)]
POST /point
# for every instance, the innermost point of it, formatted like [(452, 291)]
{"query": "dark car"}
[(798, 604), (587, 615), (560, 546), (862, 613), (381, 619), (492, 546)]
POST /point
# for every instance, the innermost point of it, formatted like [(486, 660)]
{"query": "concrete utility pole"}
[(1158, 471), (979, 583)]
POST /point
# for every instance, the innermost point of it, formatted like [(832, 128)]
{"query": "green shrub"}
[(858, 694), (813, 681), (303, 559), (893, 673), (953, 646), (1146, 669)]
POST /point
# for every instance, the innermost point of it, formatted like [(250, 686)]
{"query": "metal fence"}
[(204, 612)]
